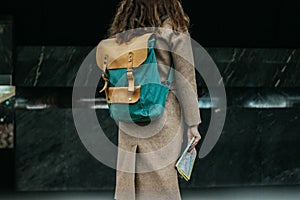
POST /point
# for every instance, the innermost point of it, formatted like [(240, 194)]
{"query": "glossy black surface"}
[(49, 66), (258, 144), (257, 147), (6, 45)]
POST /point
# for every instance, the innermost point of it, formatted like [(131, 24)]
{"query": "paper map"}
[(186, 162)]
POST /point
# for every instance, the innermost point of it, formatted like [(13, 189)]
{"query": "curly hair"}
[(139, 14)]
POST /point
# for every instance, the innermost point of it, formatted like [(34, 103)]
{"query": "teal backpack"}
[(133, 89)]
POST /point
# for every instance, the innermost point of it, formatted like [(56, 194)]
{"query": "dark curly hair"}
[(139, 14)]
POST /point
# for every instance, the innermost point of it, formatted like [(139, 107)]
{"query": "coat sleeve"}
[(185, 77)]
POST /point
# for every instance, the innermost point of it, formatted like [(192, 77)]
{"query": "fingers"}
[(193, 145), (197, 136), (191, 148), (193, 132)]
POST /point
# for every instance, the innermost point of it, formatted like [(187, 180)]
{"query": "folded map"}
[(185, 163)]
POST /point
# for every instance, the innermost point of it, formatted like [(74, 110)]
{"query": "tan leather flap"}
[(121, 95), (118, 53)]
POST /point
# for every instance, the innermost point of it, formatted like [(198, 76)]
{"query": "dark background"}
[(214, 23)]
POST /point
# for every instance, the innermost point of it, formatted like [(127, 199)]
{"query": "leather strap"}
[(105, 63), (105, 83), (170, 76), (121, 95), (129, 73)]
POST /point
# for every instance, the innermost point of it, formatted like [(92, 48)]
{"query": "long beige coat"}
[(147, 154)]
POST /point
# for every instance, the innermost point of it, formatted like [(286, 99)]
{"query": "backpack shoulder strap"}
[(170, 75)]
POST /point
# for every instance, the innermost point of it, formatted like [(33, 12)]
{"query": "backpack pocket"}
[(149, 107)]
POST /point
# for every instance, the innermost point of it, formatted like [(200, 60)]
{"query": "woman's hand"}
[(191, 132)]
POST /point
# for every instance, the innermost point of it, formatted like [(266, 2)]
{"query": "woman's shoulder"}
[(168, 34), (169, 29)]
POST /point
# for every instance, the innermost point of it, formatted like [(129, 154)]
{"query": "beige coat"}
[(149, 172)]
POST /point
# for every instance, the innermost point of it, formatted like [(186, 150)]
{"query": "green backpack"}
[(133, 89)]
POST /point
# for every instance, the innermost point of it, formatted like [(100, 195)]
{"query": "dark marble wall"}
[(258, 145), (6, 67), (48, 66), (57, 66), (50, 155), (257, 67)]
